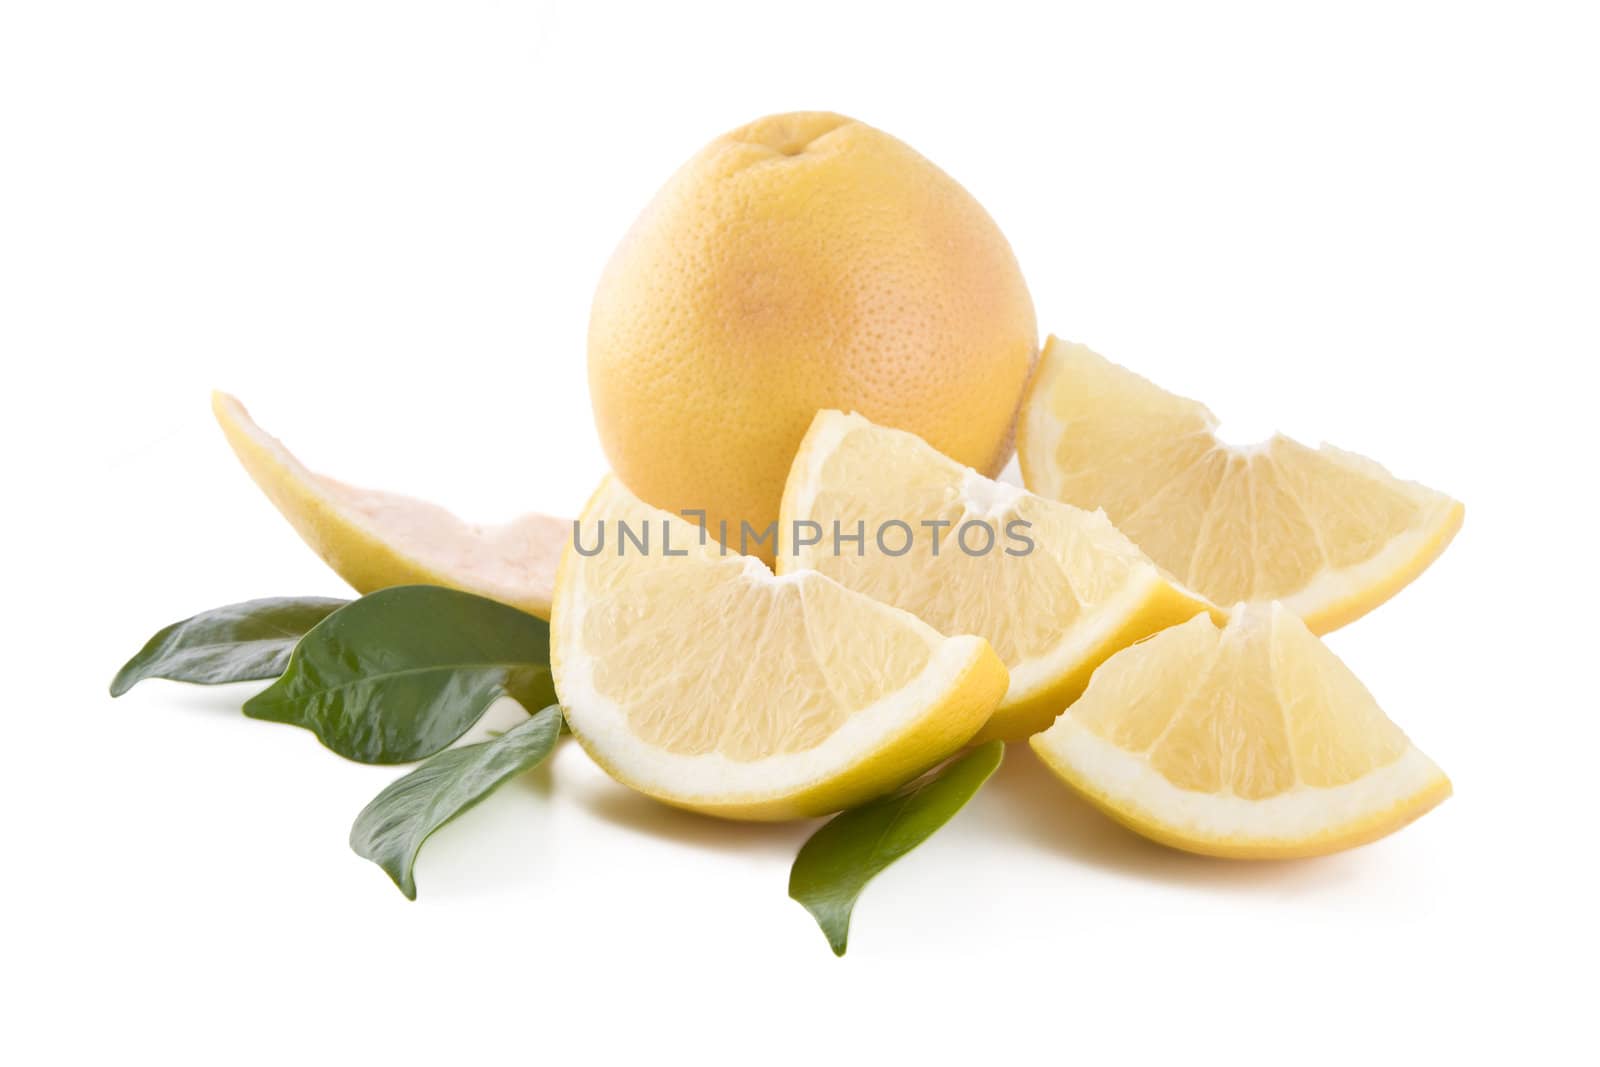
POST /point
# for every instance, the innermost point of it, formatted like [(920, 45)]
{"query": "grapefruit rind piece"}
[(374, 539)]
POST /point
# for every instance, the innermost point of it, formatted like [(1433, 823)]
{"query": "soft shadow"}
[(540, 781), (189, 698), (639, 814), (1045, 813)]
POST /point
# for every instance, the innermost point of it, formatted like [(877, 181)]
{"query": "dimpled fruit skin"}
[(804, 261)]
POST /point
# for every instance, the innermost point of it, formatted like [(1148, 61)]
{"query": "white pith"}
[(1128, 782), (986, 498)]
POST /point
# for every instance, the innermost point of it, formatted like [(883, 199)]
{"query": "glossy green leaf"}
[(390, 831), (400, 674), (841, 858), (238, 643)]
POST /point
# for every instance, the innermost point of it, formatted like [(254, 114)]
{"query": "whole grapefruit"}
[(803, 261)]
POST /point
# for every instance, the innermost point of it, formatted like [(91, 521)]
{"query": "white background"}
[(380, 225)]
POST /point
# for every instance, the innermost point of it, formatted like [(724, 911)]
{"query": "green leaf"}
[(841, 858), (400, 674), (238, 643), (390, 830)]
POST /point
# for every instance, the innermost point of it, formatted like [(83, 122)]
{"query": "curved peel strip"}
[(375, 540)]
